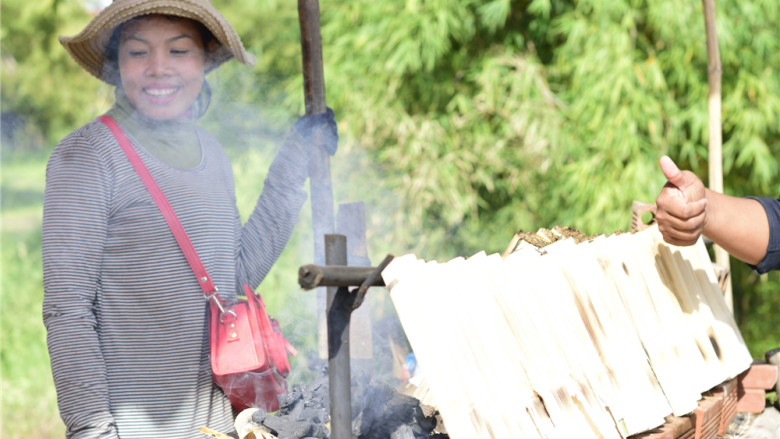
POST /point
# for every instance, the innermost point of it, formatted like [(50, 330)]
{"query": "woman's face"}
[(162, 64)]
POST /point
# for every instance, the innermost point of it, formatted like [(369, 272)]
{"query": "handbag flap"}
[(276, 344), (236, 340)]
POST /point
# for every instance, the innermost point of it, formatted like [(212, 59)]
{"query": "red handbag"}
[(248, 351)]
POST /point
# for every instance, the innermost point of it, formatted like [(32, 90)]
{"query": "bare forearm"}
[(739, 225)]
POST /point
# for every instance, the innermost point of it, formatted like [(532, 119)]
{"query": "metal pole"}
[(339, 373)]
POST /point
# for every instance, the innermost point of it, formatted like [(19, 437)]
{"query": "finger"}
[(680, 239), (680, 242), (671, 202), (680, 233), (683, 225)]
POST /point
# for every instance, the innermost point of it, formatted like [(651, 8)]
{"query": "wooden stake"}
[(714, 72), (320, 186)]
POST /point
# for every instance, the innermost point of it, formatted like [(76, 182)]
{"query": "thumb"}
[(671, 171), (682, 180), (686, 182)]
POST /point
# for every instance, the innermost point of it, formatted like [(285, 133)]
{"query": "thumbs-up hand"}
[(681, 207)]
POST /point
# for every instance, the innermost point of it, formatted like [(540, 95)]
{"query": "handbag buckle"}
[(230, 311), (218, 301)]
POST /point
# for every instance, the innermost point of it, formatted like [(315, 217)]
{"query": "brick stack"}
[(743, 394), (752, 386)]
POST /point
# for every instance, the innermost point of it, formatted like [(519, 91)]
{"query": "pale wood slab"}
[(603, 338)]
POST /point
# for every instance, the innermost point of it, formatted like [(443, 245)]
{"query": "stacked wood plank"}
[(602, 337)]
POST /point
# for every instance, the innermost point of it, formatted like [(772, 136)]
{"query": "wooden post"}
[(311, 51), (351, 222), (714, 72), (321, 189)]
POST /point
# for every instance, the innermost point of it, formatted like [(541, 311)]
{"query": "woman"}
[(125, 317)]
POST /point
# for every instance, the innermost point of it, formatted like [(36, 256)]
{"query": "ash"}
[(378, 412)]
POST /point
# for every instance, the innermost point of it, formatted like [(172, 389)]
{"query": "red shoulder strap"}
[(204, 280)]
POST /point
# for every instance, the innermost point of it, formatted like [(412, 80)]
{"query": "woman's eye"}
[(179, 51), (137, 53)]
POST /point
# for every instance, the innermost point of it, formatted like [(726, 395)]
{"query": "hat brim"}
[(88, 47)]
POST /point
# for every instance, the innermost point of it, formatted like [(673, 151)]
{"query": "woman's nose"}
[(158, 63)]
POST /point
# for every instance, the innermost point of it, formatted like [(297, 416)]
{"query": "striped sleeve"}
[(74, 232), (268, 229)]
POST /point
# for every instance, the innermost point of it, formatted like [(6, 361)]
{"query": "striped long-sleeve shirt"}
[(125, 317)]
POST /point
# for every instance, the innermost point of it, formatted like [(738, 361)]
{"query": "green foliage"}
[(35, 68), (476, 109), (755, 308)]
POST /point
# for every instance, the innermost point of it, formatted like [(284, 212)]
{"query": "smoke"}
[(251, 129)]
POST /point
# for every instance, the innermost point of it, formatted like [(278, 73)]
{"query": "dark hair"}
[(111, 57)]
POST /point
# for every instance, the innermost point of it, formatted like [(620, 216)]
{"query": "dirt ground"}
[(765, 425)]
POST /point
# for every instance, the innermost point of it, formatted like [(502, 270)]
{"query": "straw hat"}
[(89, 46)]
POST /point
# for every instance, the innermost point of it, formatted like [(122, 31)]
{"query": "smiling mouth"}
[(160, 92)]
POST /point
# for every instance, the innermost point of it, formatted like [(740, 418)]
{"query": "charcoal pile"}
[(378, 412)]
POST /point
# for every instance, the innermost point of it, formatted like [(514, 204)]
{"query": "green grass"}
[(29, 407)]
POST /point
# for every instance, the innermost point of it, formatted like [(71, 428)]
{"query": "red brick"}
[(759, 376), (707, 418), (773, 357), (752, 401), (680, 425), (727, 392), (690, 434)]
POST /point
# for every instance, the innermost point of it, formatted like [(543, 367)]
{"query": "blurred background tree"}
[(461, 121)]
